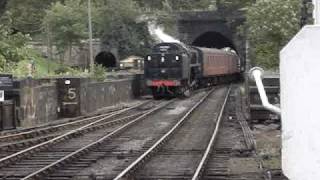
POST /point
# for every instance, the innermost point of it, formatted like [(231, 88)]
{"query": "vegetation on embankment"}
[(270, 25)]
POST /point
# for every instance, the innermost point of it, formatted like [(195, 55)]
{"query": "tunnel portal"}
[(106, 59), (213, 40)]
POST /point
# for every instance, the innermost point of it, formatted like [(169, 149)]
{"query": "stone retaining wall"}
[(96, 95), (40, 101), (37, 102)]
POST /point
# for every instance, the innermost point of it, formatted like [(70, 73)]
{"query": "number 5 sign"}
[(69, 97), (72, 93)]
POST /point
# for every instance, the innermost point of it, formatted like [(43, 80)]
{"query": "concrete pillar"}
[(300, 97)]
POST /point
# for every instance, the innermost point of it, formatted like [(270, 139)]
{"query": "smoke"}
[(158, 33)]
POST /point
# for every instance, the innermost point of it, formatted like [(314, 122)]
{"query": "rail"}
[(206, 155), (125, 174), (6, 160), (256, 74), (36, 132), (48, 168)]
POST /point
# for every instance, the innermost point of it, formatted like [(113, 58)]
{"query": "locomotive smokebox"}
[(300, 96)]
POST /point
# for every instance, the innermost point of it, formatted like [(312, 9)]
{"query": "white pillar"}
[(300, 97)]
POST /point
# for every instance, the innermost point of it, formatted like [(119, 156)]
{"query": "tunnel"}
[(106, 59), (213, 40)]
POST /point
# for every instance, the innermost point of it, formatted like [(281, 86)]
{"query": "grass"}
[(43, 68), (269, 149)]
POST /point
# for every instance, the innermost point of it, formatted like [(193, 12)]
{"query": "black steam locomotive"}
[(173, 69)]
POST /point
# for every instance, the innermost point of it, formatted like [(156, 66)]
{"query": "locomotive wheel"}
[(156, 95)]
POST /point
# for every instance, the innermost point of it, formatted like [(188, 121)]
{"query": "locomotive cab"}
[(167, 69)]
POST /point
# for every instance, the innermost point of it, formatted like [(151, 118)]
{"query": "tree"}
[(152, 5), (271, 24), (306, 13), (231, 5), (66, 24), (3, 4), (121, 24), (176, 4), (27, 15), (190, 4), (12, 45)]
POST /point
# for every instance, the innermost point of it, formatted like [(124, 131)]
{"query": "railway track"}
[(15, 142), (118, 158), (195, 138), (72, 124), (232, 157), (111, 144), (183, 152), (65, 121), (112, 120), (212, 143)]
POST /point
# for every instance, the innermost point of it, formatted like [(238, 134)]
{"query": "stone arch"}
[(194, 26), (106, 59), (213, 39)]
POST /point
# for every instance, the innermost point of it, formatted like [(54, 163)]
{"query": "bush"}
[(271, 24), (99, 73)]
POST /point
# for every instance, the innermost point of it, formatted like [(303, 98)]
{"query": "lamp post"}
[(90, 37)]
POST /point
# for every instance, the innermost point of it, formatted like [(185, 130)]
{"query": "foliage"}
[(271, 24), (3, 4), (123, 24), (27, 15), (117, 23), (175, 4), (189, 4), (66, 24), (62, 70), (99, 73), (13, 46), (307, 12), (42, 67), (125, 29), (21, 69), (231, 5)]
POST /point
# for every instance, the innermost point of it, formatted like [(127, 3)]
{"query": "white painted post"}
[(300, 87), (300, 97)]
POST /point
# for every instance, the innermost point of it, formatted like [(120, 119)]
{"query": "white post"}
[(300, 97), (90, 37)]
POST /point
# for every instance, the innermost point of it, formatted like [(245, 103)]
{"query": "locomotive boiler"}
[(174, 69)]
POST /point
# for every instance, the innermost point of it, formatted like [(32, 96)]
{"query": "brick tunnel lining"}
[(213, 40), (106, 59)]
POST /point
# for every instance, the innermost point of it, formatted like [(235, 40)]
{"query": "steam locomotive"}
[(174, 69)]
